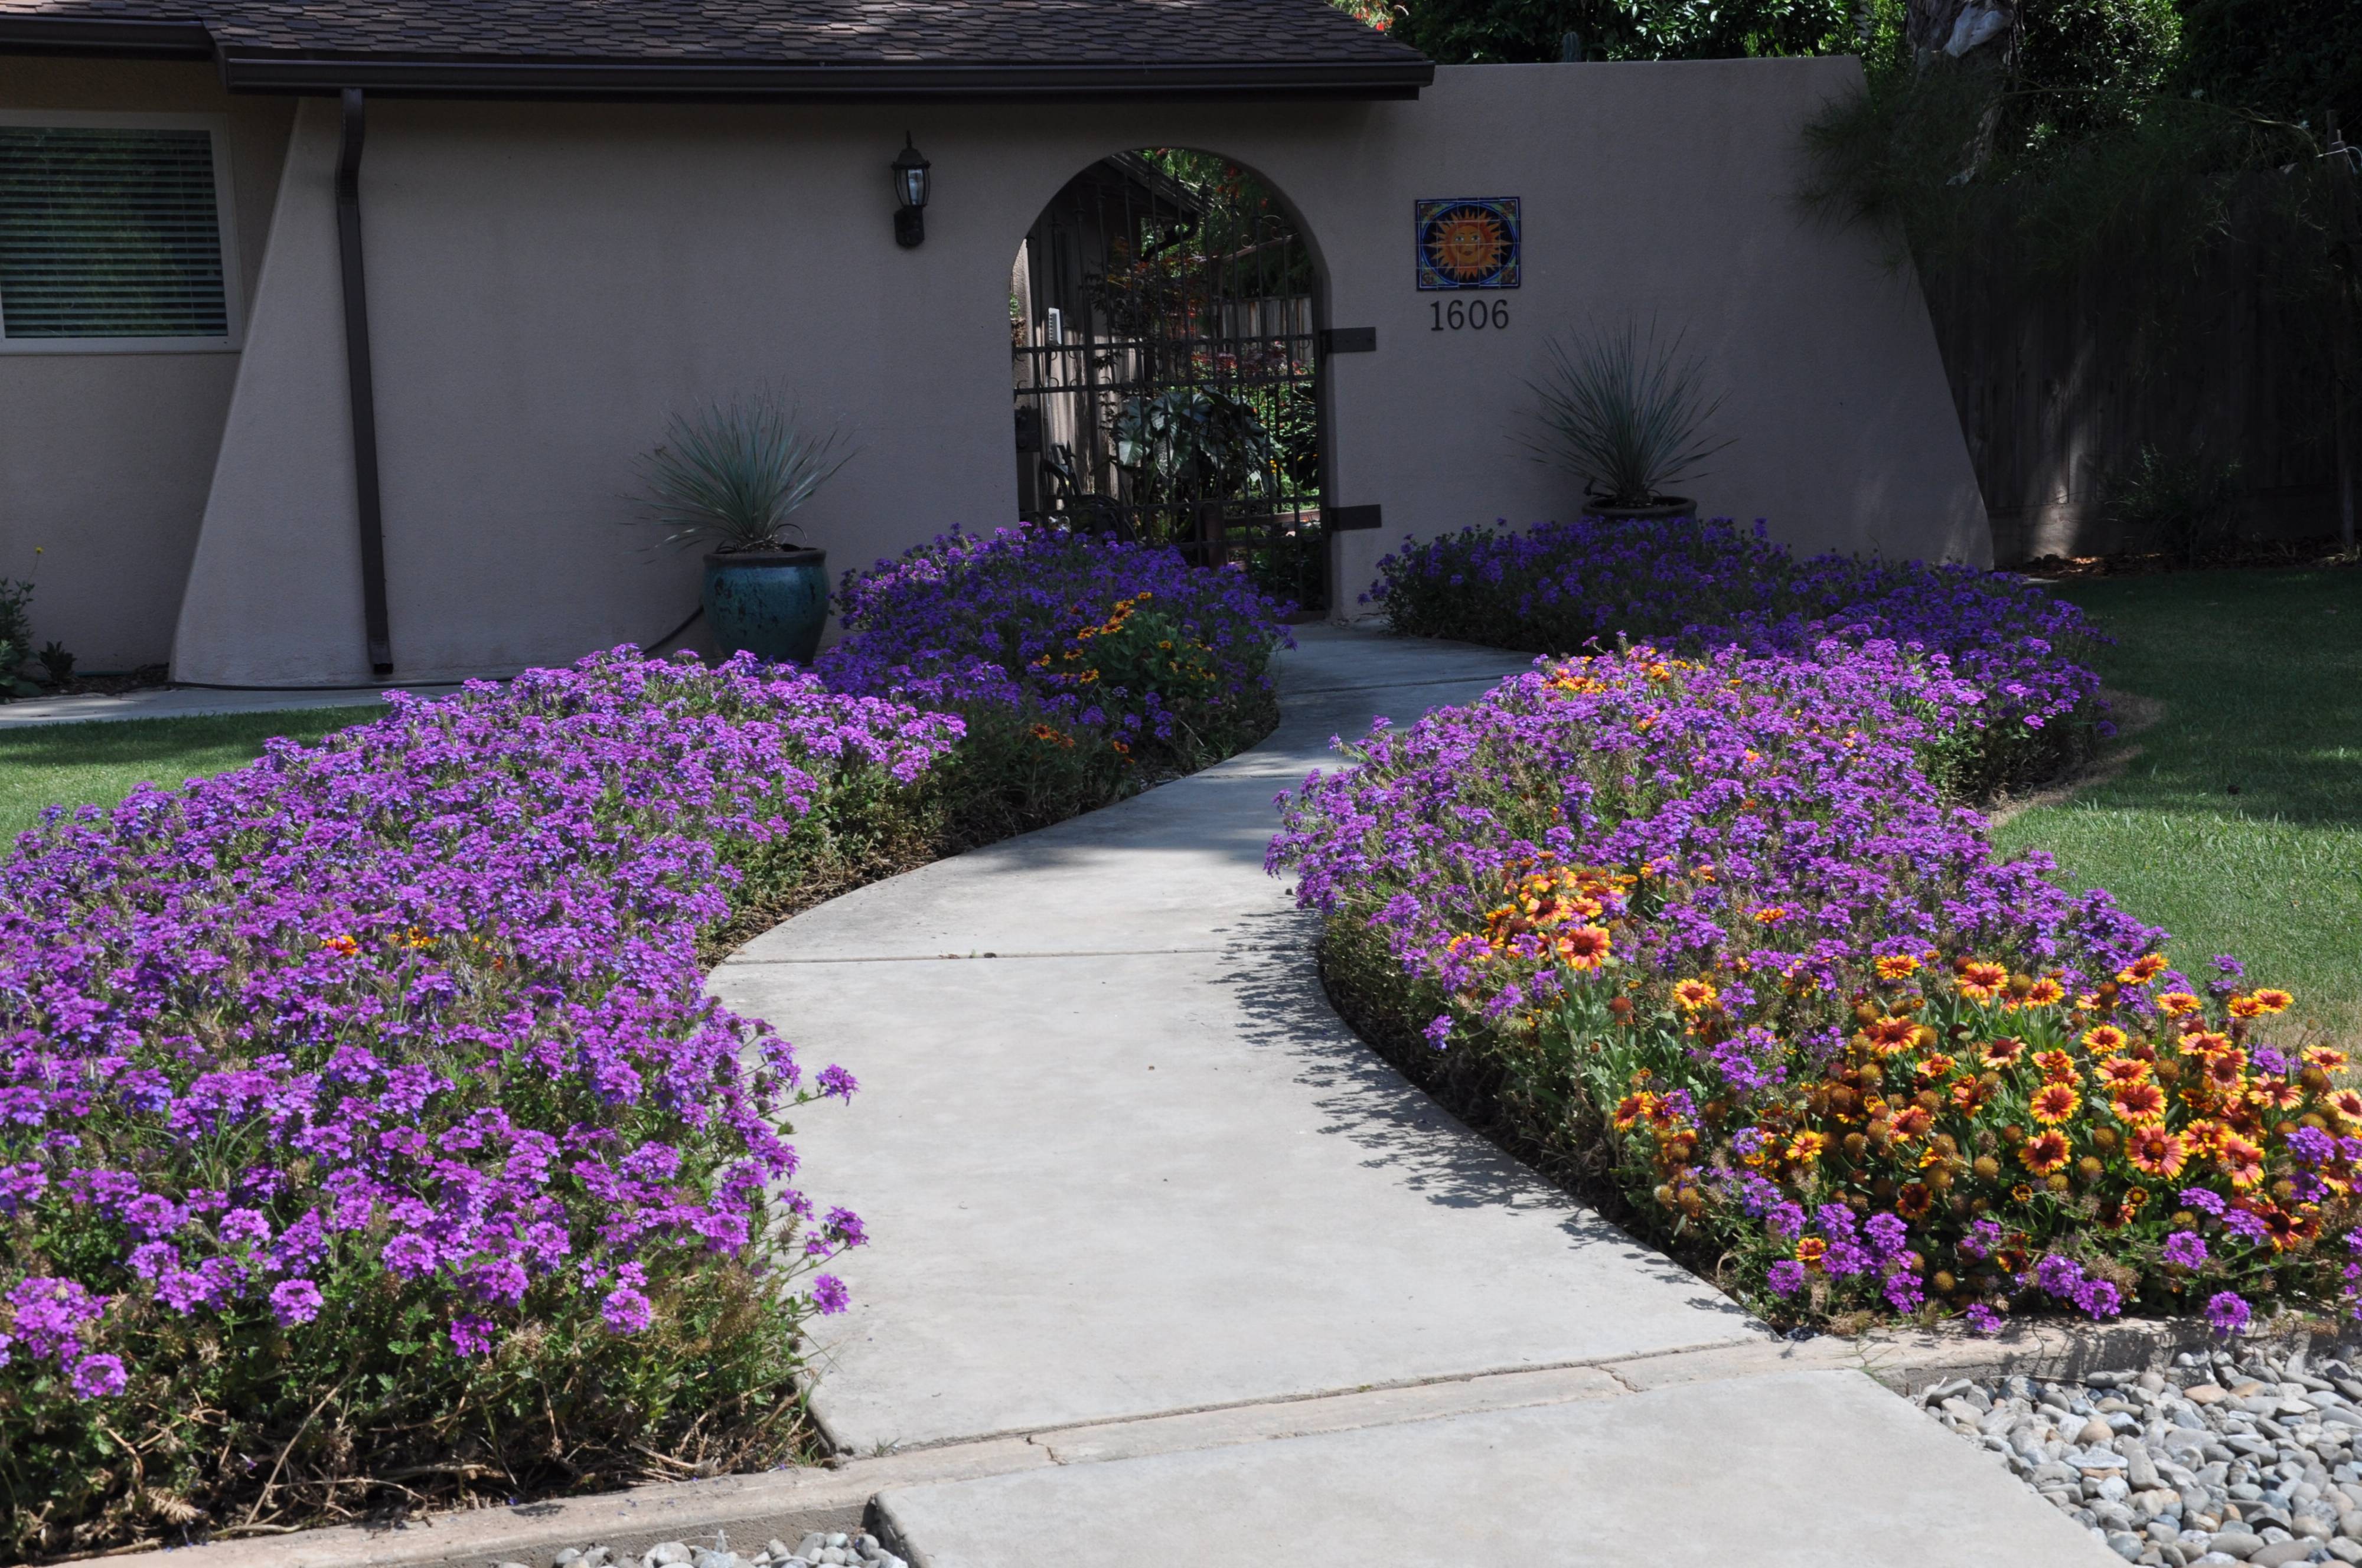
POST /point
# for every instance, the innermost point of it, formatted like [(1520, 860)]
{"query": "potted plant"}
[(1628, 415), (729, 477)]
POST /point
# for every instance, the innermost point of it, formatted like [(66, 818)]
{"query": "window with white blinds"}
[(111, 236)]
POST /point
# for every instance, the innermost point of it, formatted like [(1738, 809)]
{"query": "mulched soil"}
[(147, 677)]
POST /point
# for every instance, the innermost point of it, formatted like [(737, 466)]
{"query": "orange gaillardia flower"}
[(2054, 1103), (2139, 1104), (1936, 1069), (1809, 1250), (1897, 966), (2058, 1068), (2156, 1152), (1980, 980), (2277, 1094), (2328, 1058), (2004, 1052), (2045, 993), (2346, 1105), (2241, 1161), (2246, 1007), (2173, 1004), (2044, 1152), (2227, 1070), (1890, 1035), (2118, 1070), (1583, 947), (2141, 971), (1807, 1147), (1694, 995), (2106, 1040), (2270, 1000)]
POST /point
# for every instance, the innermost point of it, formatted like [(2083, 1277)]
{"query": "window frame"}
[(216, 127)]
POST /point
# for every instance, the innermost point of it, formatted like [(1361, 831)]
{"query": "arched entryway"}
[(1161, 317)]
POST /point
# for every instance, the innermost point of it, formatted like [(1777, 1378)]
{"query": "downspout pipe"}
[(361, 386)]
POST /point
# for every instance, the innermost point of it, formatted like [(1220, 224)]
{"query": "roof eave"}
[(758, 80), (91, 37)]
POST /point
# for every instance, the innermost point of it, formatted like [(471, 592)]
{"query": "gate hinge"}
[(1347, 340)]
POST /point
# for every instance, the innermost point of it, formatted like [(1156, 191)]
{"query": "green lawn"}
[(71, 763), (2238, 824)]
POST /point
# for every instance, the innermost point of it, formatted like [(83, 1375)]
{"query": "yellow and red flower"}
[(1980, 980), (2118, 1070), (2002, 1053), (2174, 1004), (1897, 966), (2044, 1152), (2054, 1103), (1694, 995), (2138, 1104), (2058, 1068), (2240, 1160), (2156, 1152), (2104, 1039)]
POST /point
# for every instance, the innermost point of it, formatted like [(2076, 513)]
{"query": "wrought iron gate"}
[(1161, 318)]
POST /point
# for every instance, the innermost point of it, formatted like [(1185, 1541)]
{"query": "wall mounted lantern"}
[(910, 192)]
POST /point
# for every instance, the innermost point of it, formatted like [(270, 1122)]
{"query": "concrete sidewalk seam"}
[(1241, 948)]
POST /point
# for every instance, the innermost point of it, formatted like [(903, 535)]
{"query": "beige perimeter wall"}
[(547, 283), (105, 457)]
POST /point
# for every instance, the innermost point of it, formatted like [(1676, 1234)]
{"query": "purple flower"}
[(2248, 1227), (1982, 1318), (836, 1082), (828, 1294), (1787, 1221), (471, 1335), (1888, 1235), (1785, 1276), (626, 1311), (294, 1301), (2058, 1276), (2228, 1313), (98, 1377), (1439, 1031), (2203, 1200), (1904, 1292), (2098, 1298), (2185, 1249)]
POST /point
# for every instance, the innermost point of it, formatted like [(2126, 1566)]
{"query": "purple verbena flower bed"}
[(366, 1132), (1689, 586), (1085, 667), (389, 1059)]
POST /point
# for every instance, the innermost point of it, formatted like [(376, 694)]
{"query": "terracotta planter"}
[(1664, 506), (772, 603)]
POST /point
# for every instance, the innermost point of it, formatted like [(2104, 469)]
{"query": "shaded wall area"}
[(105, 457), (549, 282)]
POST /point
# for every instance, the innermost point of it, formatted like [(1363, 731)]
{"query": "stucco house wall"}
[(548, 281), (105, 457)]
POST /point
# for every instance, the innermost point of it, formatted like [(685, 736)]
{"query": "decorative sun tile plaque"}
[(1468, 242)]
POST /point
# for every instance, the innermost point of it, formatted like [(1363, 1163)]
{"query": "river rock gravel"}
[(816, 1549), (2232, 1455)]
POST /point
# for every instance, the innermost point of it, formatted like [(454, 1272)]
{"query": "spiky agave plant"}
[(1625, 411), (731, 475)]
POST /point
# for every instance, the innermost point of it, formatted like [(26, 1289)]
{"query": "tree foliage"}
[(1462, 32)]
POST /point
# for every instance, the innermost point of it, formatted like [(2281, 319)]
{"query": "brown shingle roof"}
[(1182, 44)]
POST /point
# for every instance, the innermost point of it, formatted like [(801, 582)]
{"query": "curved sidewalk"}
[(1121, 1160)]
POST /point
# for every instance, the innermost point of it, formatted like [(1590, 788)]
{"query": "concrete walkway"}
[(1123, 1163), (187, 702)]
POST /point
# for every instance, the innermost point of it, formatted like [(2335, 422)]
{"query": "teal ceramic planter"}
[(771, 603)]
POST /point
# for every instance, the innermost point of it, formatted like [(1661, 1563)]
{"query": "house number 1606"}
[(1473, 315)]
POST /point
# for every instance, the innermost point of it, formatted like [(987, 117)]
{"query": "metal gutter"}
[(360, 385), (119, 39), (760, 80)]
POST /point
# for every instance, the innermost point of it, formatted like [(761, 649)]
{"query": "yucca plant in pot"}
[(1627, 414), (730, 477)]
